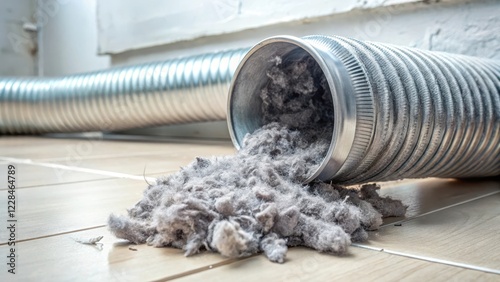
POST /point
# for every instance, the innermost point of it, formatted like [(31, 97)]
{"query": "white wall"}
[(17, 47), (68, 38), (459, 26), (132, 24)]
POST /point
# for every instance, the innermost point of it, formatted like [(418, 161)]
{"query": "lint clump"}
[(255, 201)]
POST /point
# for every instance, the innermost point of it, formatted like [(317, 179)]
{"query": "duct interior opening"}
[(282, 82)]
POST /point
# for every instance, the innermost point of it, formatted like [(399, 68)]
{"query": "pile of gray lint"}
[(255, 201)]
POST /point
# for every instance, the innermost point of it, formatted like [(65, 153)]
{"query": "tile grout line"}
[(58, 183), (110, 156), (80, 169), (205, 268), (56, 234), (440, 209), (430, 259)]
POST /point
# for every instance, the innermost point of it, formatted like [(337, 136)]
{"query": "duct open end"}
[(245, 107)]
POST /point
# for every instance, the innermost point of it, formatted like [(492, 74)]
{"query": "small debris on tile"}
[(89, 241), (94, 241), (132, 249)]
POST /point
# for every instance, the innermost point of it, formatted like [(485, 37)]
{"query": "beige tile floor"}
[(68, 187)]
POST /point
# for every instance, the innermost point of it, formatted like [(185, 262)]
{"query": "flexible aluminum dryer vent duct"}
[(176, 91), (398, 112)]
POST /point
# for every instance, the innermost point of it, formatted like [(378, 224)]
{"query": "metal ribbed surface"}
[(176, 91), (436, 114), (416, 113)]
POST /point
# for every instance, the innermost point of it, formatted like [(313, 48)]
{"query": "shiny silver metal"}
[(176, 91), (399, 112)]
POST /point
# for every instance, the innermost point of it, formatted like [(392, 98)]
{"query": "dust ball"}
[(255, 201)]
